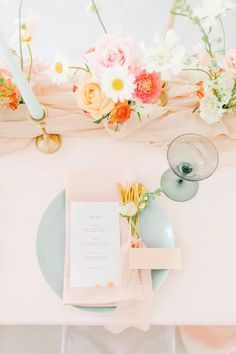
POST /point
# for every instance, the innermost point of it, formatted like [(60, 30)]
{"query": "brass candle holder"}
[(46, 143), (163, 99)]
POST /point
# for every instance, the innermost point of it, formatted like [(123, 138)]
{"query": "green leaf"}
[(2, 81), (139, 116), (195, 109), (205, 38), (98, 121), (195, 20), (87, 67)]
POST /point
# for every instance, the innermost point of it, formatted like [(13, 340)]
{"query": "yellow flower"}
[(91, 98)]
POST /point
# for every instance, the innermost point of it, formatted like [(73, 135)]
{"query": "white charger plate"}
[(154, 227)]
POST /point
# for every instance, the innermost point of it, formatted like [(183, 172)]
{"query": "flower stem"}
[(206, 40), (20, 43), (223, 33), (204, 71), (180, 82), (77, 68), (98, 16), (178, 14), (232, 100), (87, 67), (31, 62)]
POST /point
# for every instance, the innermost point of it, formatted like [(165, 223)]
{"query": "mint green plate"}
[(154, 227)]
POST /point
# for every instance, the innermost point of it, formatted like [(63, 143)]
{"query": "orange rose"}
[(120, 113)]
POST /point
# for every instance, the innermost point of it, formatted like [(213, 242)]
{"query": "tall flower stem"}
[(203, 71), (98, 16), (205, 35), (223, 33), (20, 42), (77, 68), (206, 40)]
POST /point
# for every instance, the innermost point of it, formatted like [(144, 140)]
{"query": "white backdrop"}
[(65, 25)]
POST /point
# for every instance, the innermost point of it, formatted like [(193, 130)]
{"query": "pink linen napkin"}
[(133, 298)]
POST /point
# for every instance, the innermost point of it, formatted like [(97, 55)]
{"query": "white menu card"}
[(95, 244)]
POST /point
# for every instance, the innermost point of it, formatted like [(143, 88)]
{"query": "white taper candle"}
[(34, 107)]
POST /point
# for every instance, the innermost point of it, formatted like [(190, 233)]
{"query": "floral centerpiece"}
[(122, 80), (119, 77)]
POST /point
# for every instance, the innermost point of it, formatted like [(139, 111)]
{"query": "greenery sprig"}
[(182, 8)]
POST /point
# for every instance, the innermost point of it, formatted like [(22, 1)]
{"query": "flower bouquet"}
[(120, 79)]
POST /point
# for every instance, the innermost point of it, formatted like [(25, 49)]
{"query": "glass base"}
[(177, 188)]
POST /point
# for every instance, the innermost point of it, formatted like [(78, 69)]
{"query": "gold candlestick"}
[(163, 99), (46, 143)]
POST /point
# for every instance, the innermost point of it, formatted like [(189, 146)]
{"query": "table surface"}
[(203, 292)]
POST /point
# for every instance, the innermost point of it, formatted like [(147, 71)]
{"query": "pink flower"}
[(231, 61), (148, 87), (112, 50)]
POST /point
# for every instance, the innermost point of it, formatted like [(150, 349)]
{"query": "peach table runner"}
[(161, 124)]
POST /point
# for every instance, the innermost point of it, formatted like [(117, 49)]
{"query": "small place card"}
[(155, 258), (95, 244)]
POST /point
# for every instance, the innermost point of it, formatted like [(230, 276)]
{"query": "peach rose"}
[(91, 99), (231, 61), (148, 87)]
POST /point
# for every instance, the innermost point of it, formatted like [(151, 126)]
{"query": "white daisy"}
[(28, 27), (118, 84), (28, 31), (166, 56), (59, 69)]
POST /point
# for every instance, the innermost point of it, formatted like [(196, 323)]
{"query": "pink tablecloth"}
[(203, 293)]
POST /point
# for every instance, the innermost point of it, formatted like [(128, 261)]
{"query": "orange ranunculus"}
[(120, 113), (8, 94)]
